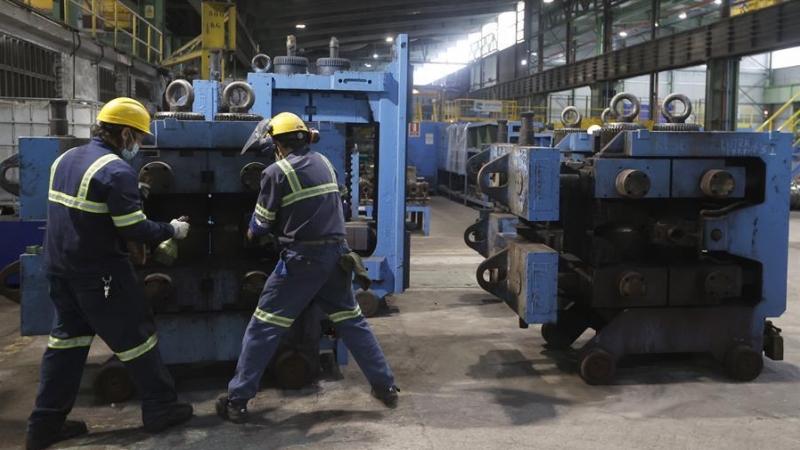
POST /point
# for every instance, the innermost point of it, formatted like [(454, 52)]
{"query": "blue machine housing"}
[(204, 301), (663, 242)]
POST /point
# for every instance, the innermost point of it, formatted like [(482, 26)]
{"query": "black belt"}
[(318, 243)]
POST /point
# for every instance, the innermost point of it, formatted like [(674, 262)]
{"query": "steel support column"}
[(722, 88)]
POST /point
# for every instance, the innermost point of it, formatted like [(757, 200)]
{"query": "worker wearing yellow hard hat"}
[(94, 208)]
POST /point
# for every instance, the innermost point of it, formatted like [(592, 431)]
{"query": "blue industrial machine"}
[(194, 166), (668, 241)]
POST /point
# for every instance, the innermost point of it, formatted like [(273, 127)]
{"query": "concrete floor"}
[(471, 380)]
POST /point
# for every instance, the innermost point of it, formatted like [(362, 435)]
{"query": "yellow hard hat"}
[(286, 122), (126, 112)]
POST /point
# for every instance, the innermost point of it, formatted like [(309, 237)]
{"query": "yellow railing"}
[(470, 110), (113, 22), (769, 122), (109, 21)]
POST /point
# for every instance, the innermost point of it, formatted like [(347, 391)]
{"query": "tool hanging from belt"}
[(352, 263)]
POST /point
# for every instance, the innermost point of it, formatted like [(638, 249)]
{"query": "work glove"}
[(144, 190), (180, 228)]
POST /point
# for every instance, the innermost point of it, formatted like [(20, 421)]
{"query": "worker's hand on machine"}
[(181, 227), (144, 190), (250, 236)]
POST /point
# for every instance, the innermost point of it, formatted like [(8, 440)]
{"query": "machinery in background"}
[(668, 241), (194, 166)]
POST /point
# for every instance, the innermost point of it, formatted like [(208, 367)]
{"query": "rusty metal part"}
[(240, 106), (632, 183), (252, 285), (179, 115), (502, 131), (676, 118), (526, 128), (261, 63), (596, 366), (237, 117), (12, 293), (571, 110), (632, 285), (250, 176), (159, 290), (158, 175), (174, 93), (717, 183), (368, 301), (611, 130), (293, 370), (744, 363), (113, 384), (635, 107)]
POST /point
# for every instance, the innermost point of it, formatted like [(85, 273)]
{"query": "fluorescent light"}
[(534, 54), (389, 39), (682, 15), (375, 55), (718, 2), (415, 91), (524, 62), (623, 34), (548, 1), (656, 24), (300, 26), (367, 64)]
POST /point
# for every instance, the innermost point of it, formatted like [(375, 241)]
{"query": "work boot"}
[(181, 412), (235, 412), (69, 429), (388, 395)]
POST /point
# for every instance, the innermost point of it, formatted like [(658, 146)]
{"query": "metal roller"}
[(158, 176), (250, 176)]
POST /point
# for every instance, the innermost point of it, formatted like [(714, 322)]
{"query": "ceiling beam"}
[(300, 9)]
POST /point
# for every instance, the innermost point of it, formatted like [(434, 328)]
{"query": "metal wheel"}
[(113, 385), (293, 370), (597, 366), (743, 363), (10, 292), (558, 336), (368, 302)]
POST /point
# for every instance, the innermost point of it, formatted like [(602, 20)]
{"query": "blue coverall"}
[(300, 203), (94, 208)]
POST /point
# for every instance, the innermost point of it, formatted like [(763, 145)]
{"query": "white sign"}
[(490, 106), (428, 138)]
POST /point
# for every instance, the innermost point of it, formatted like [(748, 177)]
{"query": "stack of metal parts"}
[(669, 241), (416, 188)]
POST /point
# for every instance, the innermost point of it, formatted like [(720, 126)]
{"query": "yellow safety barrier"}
[(113, 22), (470, 110)]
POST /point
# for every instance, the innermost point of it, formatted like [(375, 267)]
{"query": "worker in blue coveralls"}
[(301, 205), (94, 208)]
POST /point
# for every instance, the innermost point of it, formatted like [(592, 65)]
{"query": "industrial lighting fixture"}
[(300, 26), (718, 2), (656, 24), (389, 39), (534, 54), (682, 15), (415, 91), (623, 34), (367, 65), (375, 55), (524, 62), (548, 1)]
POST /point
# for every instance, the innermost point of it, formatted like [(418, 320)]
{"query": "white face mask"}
[(128, 154)]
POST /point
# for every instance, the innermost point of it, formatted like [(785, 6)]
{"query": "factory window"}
[(26, 70), (107, 88)]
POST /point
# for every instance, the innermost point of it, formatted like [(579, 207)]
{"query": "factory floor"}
[(470, 379)]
